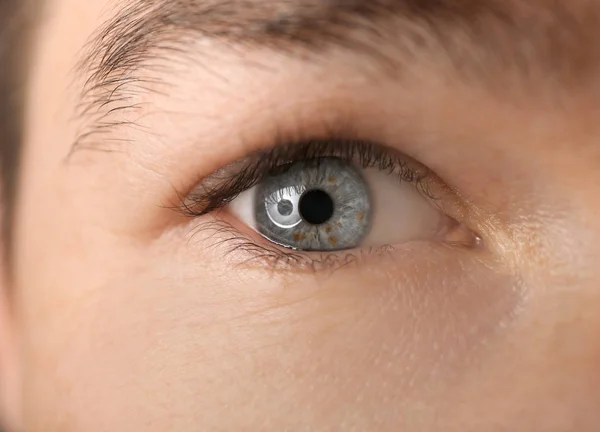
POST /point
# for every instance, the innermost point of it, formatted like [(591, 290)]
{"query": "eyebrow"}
[(475, 36), (143, 25)]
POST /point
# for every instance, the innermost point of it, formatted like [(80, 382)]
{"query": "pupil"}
[(316, 207), (285, 207)]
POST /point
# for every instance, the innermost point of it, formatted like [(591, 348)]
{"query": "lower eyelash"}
[(220, 234)]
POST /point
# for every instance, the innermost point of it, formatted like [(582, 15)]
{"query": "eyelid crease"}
[(225, 184)]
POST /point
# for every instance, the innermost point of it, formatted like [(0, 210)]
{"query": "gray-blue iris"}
[(315, 205)]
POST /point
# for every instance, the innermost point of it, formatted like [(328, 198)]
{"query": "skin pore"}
[(127, 313)]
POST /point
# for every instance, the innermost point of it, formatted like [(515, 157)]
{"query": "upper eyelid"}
[(223, 185), (113, 69)]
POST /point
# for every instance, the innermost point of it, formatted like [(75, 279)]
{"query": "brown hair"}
[(13, 23)]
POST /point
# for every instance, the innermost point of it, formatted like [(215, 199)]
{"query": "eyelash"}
[(223, 186), (225, 236)]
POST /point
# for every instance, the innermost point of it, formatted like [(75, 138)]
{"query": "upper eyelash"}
[(224, 185)]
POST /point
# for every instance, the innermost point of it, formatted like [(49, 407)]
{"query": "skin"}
[(121, 318)]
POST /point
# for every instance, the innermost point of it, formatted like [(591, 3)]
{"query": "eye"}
[(330, 195), (329, 203)]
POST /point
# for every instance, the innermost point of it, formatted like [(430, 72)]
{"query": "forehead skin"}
[(128, 326)]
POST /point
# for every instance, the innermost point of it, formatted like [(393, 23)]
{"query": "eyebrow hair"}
[(532, 38), (143, 25)]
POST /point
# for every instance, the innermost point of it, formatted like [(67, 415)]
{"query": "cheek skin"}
[(172, 335)]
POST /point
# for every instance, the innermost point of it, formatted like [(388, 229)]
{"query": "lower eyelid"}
[(227, 239)]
